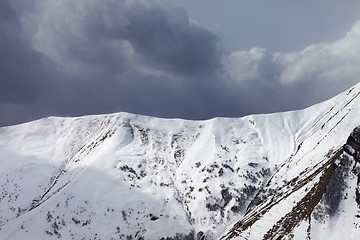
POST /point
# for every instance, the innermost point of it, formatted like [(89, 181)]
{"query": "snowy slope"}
[(315, 193), (124, 176)]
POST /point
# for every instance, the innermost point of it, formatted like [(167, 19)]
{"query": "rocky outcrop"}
[(321, 201), (352, 145)]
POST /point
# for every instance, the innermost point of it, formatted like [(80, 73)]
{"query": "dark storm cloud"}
[(108, 32), (169, 39), (21, 68), (87, 57), (25, 74)]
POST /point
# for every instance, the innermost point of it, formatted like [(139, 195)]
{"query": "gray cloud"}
[(87, 57), (21, 68), (115, 33), (298, 79), (26, 75), (138, 56)]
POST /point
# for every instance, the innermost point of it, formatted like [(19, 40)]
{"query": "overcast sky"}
[(181, 58)]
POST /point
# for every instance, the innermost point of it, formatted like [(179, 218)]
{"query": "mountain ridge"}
[(123, 176)]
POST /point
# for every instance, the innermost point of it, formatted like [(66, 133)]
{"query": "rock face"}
[(352, 146), (292, 175)]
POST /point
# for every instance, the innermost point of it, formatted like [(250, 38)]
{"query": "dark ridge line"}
[(247, 221), (305, 206), (352, 99)]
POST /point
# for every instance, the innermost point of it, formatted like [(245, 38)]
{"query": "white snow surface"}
[(125, 176)]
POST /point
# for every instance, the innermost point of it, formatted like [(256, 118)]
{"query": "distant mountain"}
[(291, 175)]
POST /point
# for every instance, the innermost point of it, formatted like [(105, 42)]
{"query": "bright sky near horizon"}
[(187, 59)]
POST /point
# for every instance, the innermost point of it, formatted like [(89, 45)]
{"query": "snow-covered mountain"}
[(292, 175)]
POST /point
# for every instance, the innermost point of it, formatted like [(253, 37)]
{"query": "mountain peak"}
[(123, 176)]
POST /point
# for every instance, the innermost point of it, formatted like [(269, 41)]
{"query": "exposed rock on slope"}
[(321, 201)]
